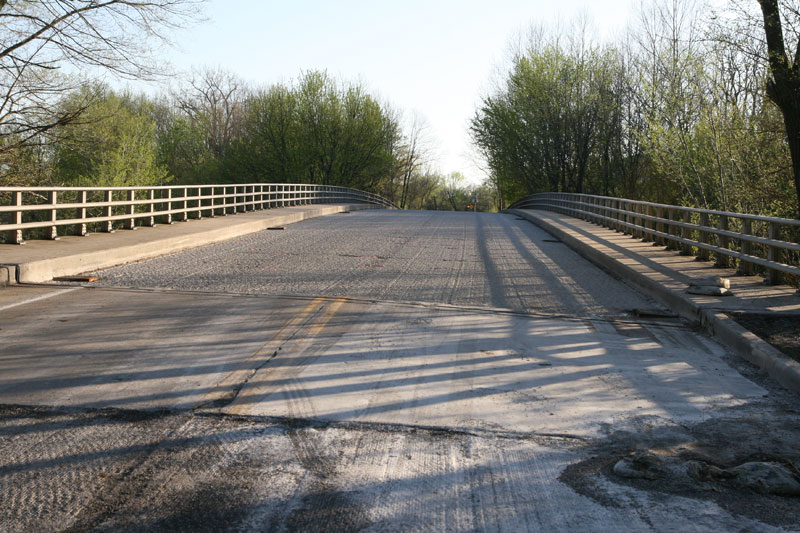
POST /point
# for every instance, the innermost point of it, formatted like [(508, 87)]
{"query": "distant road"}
[(474, 259)]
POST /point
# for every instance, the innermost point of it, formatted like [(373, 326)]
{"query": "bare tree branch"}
[(38, 39)]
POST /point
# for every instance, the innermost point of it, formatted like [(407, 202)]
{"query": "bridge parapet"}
[(755, 242), (48, 212)]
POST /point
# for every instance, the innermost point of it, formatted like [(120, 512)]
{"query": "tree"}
[(783, 87), (214, 103), (412, 157), (542, 130), (316, 131), (679, 112), (114, 145), (40, 37), (454, 190), (183, 148)]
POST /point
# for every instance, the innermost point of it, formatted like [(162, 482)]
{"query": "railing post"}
[(745, 266), (722, 241), (646, 236), (624, 217), (15, 235), (597, 211), (702, 253), (660, 226), (212, 202), (773, 277), (80, 214), (130, 223), (185, 207), (671, 244), (686, 233), (639, 221), (199, 193), (53, 199), (108, 197), (151, 196), (168, 216)]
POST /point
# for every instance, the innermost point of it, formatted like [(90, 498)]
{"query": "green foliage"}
[(114, 144), (680, 117), (184, 153), (543, 131), (314, 132)]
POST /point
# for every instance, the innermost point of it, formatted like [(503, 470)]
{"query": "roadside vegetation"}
[(211, 127), (690, 106)]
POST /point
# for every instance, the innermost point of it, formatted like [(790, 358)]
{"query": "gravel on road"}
[(474, 259)]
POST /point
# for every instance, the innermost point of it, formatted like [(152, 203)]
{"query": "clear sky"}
[(435, 57)]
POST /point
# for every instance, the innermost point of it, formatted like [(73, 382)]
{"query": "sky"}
[(434, 59)]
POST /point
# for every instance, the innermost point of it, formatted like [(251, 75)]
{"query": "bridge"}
[(324, 365)]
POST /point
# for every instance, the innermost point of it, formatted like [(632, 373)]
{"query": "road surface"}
[(377, 371)]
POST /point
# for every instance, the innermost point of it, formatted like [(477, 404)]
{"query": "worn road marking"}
[(268, 349), (310, 329), (38, 298)]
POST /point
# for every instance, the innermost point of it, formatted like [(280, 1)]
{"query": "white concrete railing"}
[(48, 209), (753, 240)]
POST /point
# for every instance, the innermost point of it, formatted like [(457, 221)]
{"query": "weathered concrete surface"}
[(302, 413), (665, 275), (7, 275), (472, 259), (40, 261), (348, 360), (161, 409)]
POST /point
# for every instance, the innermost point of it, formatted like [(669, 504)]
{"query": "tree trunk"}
[(784, 87), (792, 123)]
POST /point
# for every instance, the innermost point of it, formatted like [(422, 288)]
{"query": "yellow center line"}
[(326, 317), (267, 349), (331, 307)]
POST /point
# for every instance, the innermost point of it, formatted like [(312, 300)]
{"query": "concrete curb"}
[(8, 275), (742, 342), (44, 270)]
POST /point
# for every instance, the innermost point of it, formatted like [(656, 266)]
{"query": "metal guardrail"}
[(755, 242), (43, 211)]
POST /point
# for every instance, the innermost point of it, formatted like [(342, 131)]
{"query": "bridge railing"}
[(49, 212), (750, 242)]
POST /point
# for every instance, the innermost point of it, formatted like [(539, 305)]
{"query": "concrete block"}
[(8, 275)]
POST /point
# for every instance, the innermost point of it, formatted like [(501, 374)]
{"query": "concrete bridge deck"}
[(40, 261), (380, 371)]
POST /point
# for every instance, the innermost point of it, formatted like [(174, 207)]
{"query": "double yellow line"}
[(318, 313)]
